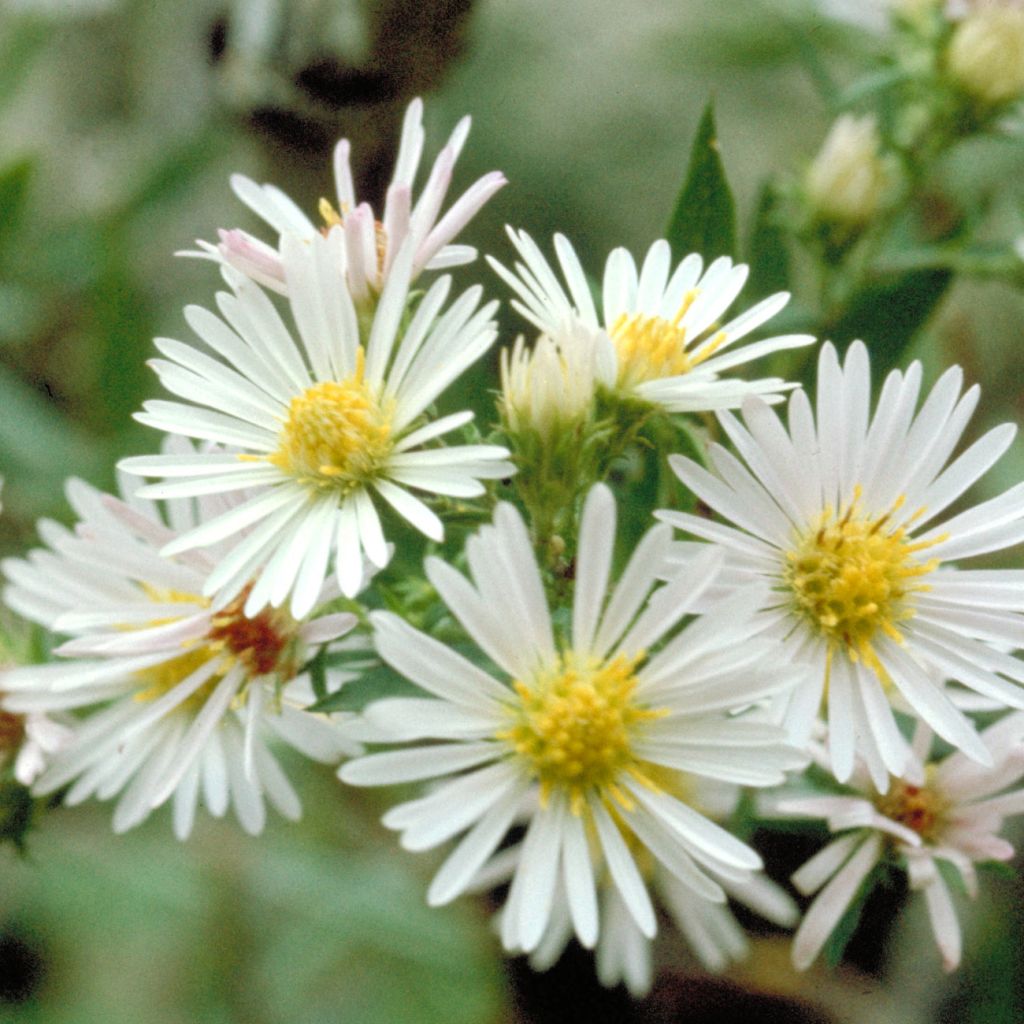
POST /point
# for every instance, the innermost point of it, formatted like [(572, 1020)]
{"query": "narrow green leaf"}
[(999, 869), (317, 670), (768, 255), (377, 682), (119, 329), (704, 219), (14, 182)]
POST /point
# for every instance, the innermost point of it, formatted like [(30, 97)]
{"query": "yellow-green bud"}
[(848, 180), (986, 54), (548, 387)]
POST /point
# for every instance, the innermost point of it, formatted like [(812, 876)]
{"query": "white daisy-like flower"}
[(185, 697), (582, 727), (372, 244), (623, 952), (658, 337), (841, 515), (326, 428), (952, 812)]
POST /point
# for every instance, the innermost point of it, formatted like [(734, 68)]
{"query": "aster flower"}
[(841, 515), (582, 731), (657, 338), (183, 696), (324, 429), (623, 952), (952, 813), (372, 245)]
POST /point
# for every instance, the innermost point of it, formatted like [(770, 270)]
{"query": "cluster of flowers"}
[(591, 748), (956, 68)]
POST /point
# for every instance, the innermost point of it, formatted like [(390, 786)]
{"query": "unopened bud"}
[(848, 180), (549, 387), (986, 54)]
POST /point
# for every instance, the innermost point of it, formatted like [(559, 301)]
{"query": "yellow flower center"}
[(918, 808), (575, 725), (337, 435), (650, 347), (853, 576), (263, 644)]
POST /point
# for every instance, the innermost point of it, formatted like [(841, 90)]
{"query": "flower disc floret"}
[(337, 434), (262, 644), (575, 724), (853, 576), (917, 807), (651, 347)]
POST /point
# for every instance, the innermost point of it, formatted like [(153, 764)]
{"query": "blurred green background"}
[(120, 123)]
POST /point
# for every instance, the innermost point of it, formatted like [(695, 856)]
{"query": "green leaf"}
[(768, 253), (317, 670), (888, 316), (704, 219), (14, 182), (119, 328), (23, 40), (39, 445), (173, 177), (999, 868), (374, 683), (953, 879)]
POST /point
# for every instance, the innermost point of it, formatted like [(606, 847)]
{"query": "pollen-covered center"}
[(853, 576), (651, 347), (918, 808), (338, 434), (263, 644), (575, 725)]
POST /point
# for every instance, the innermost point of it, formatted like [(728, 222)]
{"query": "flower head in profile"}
[(658, 338), (549, 388), (986, 53), (841, 515), (623, 953), (848, 181), (372, 244), (580, 729), (950, 811), (183, 696), (322, 430)]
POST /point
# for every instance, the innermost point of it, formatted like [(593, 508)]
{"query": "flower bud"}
[(849, 178), (986, 54), (548, 388)]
